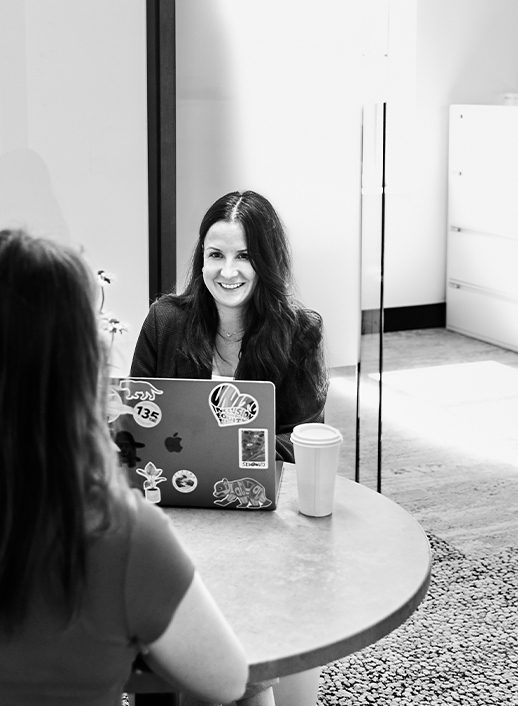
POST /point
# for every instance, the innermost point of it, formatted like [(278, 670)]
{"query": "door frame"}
[(161, 113)]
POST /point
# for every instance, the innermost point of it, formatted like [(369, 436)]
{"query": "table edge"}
[(321, 656)]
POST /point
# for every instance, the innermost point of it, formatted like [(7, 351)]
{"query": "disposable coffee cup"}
[(316, 448)]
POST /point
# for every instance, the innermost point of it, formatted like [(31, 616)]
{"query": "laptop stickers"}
[(152, 474), (230, 406), (198, 443)]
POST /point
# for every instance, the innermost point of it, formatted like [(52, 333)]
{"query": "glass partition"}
[(370, 350)]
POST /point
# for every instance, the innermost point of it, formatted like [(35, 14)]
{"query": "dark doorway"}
[(161, 111)]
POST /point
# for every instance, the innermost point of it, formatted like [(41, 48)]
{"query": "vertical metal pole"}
[(357, 455), (382, 317), (359, 353)]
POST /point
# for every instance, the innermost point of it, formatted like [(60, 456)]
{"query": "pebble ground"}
[(459, 647)]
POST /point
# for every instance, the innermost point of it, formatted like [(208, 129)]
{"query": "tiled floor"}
[(449, 451)]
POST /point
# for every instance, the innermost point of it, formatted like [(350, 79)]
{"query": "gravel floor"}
[(459, 647)]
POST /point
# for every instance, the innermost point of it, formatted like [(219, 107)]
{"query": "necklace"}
[(229, 334)]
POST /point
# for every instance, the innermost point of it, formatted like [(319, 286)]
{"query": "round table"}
[(300, 591)]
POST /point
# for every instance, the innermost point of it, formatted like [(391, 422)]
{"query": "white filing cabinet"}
[(482, 274)]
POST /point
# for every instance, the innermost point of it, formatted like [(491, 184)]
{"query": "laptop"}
[(197, 443)]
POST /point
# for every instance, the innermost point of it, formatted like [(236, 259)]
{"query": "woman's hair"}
[(274, 322), (56, 459)]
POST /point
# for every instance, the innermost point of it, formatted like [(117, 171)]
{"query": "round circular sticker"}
[(185, 481), (147, 414)]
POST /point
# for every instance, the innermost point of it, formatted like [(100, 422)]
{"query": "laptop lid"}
[(197, 443)]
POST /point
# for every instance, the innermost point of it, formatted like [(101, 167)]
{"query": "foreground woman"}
[(90, 574)]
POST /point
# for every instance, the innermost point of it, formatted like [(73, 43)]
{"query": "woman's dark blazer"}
[(159, 354)]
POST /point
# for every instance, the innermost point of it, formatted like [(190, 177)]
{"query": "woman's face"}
[(227, 272)]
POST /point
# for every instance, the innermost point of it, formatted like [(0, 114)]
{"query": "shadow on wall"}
[(26, 196)]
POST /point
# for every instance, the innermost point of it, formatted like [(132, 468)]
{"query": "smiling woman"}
[(237, 317)]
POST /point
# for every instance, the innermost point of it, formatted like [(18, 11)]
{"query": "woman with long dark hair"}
[(90, 574), (237, 317)]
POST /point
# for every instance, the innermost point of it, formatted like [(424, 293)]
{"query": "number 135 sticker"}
[(147, 414)]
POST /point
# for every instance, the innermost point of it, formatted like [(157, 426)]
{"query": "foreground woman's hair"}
[(56, 459)]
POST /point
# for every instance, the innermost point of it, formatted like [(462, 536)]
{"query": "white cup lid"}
[(316, 434)]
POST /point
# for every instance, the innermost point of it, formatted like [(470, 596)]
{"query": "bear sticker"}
[(247, 492)]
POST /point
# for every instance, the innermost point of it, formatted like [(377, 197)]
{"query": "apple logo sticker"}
[(173, 443)]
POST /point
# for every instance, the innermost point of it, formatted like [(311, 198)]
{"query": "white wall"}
[(73, 137), (270, 96), (400, 146), (467, 52)]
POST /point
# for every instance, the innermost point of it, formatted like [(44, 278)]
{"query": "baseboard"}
[(405, 318)]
